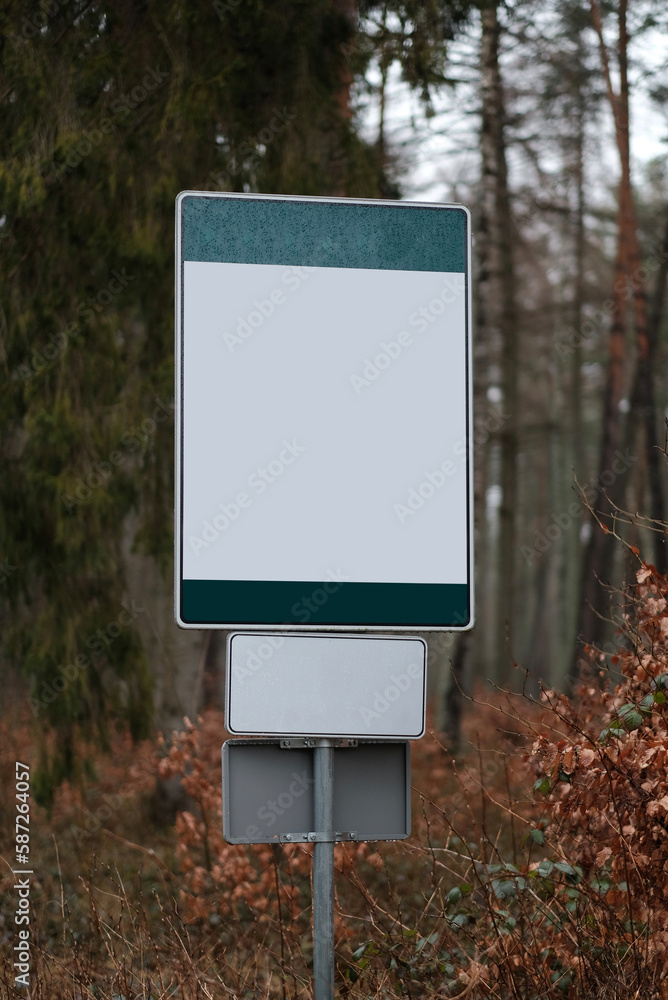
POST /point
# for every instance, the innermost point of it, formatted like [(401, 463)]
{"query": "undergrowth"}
[(537, 867)]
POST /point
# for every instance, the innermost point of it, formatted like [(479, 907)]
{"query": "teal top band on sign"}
[(401, 237)]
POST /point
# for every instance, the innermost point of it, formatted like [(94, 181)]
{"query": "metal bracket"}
[(299, 742), (316, 838)]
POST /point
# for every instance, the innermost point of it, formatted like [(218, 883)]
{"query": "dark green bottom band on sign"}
[(252, 602)]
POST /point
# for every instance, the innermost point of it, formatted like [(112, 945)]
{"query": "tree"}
[(109, 109), (496, 229), (629, 283)]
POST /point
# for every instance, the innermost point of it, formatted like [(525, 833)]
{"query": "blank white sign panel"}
[(326, 685), (340, 455)]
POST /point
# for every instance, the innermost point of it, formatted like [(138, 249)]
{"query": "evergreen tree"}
[(109, 110)]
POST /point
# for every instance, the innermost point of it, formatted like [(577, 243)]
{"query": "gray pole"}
[(323, 872)]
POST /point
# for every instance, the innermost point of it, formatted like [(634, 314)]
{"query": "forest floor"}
[(126, 901), (114, 911)]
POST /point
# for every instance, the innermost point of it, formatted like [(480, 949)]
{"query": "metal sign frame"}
[(316, 605)]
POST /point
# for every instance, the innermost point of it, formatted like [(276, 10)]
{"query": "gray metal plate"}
[(268, 792)]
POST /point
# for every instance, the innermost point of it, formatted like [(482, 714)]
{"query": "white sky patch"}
[(440, 154)]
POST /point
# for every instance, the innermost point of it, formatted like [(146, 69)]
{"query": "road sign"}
[(323, 450), (325, 685), (268, 792)]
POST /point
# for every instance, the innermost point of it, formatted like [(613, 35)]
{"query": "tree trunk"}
[(454, 696), (598, 560), (644, 391), (574, 554), (348, 10), (642, 414), (579, 296), (496, 198)]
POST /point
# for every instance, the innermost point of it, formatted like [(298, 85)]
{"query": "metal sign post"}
[(323, 871), (316, 791)]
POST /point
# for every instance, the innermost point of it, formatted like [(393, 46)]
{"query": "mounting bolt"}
[(311, 836), (288, 836)]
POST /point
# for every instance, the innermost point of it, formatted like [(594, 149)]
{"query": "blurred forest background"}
[(537, 862), (519, 110)]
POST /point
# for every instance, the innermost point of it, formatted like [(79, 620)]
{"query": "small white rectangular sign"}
[(325, 685)]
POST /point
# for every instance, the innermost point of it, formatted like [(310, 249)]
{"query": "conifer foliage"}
[(109, 110)]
